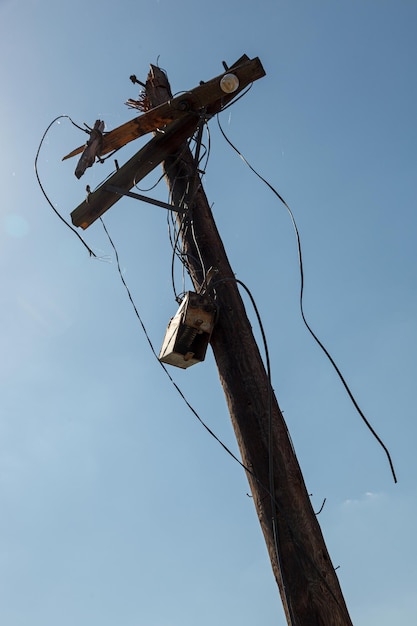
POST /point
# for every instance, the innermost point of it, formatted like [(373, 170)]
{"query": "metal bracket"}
[(138, 196)]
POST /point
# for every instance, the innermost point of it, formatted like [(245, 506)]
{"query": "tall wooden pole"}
[(307, 582)]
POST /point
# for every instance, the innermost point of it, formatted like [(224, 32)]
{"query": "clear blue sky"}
[(116, 506)]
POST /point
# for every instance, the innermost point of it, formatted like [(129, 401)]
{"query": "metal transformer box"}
[(189, 331)]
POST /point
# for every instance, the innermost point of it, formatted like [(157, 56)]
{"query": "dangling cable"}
[(91, 253), (320, 344), (186, 201), (271, 485), (207, 428)]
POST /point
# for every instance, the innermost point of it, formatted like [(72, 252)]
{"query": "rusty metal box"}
[(189, 331)]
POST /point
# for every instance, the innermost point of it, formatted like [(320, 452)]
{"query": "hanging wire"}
[(207, 428), (238, 97), (91, 253), (208, 149), (145, 190), (271, 486), (175, 230), (186, 201), (178, 253), (320, 344)]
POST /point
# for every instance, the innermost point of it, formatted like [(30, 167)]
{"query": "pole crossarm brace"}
[(138, 196), (207, 95)]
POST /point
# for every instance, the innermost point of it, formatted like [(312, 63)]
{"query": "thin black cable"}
[(208, 429), (321, 508), (91, 253), (237, 98), (187, 201), (271, 489), (195, 186), (177, 252), (119, 269), (200, 258), (326, 352), (106, 178), (174, 233), (85, 130), (208, 149), (162, 176), (109, 156)]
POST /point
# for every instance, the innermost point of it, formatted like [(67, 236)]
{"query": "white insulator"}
[(229, 83)]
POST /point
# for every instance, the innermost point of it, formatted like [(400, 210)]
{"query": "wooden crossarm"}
[(144, 161)]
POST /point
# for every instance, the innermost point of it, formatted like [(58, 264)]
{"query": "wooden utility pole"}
[(308, 584)]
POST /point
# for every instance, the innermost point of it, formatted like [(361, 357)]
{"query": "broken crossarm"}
[(207, 95), (139, 166), (92, 149)]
